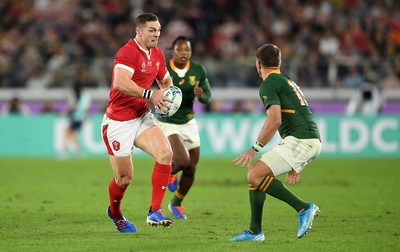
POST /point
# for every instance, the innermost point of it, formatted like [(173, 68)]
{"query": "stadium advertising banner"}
[(221, 134), (341, 136)]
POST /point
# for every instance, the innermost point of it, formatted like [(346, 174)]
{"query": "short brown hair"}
[(269, 55), (144, 18)]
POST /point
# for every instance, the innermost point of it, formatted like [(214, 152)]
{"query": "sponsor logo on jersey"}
[(181, 81)]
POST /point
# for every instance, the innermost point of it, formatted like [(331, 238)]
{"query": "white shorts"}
[(189, 132), (291, 154), (119, 136)]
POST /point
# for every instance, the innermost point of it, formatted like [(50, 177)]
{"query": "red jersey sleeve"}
[(126, 57)]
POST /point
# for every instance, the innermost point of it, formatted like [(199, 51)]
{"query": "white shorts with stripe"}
[(189, 132), (119, 136), (291, 154)]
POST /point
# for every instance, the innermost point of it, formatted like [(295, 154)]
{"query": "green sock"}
[(278, 190), (257, 199), (176, 201)]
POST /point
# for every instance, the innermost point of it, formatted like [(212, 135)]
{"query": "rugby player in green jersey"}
[(287, 112), (181, 129)]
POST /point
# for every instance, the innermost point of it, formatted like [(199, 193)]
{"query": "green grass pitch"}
[(54, 205)]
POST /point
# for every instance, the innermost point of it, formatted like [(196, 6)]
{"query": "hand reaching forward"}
[(246, 158), (292, 177)]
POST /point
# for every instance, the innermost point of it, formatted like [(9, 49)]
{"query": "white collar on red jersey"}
[(144, 50)]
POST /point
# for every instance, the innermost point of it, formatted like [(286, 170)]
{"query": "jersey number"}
[(298, 93)]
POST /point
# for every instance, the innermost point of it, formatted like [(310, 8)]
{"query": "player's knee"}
[(255, 179), (181, 163), (124, 181), (164, 156), (251, 179), (124, 185), (189, 171)]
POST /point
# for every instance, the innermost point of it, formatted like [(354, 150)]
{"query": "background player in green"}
[(181, 129), (287, 112)]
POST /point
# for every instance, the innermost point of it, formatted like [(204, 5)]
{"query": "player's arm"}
[(203, 91), (125, 85), (165, 83), (271, 125)]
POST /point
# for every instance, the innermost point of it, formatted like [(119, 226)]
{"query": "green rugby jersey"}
[(297, 119), (195, 72)]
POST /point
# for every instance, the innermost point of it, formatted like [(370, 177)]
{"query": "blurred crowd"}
[(336, 43)]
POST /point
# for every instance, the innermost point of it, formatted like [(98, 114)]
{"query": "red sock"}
[(159, 180), (116, 194)]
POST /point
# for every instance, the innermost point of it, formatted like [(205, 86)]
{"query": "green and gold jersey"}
[(186, 82), (297, 119)]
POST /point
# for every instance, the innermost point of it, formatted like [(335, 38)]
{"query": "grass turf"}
[(53, 205)]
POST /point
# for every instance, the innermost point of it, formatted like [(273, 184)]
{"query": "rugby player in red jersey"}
[(129, 123)]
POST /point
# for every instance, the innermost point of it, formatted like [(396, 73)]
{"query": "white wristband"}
[(257, 146)]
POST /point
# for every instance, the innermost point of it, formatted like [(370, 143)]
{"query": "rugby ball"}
[(175, 94)]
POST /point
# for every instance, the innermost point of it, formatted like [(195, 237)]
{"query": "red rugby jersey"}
[(146, 66)]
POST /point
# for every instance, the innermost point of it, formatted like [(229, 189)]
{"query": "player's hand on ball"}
[(171, 102), (292, 177), (161, 103), (198, 91), (246, 158)]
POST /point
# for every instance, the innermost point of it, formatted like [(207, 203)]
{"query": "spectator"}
[(391, 81), (39, 78), (48, 107), (59, 34), (15, 107), (368, 101), (78, 110), (354, 78), (329, 44)]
